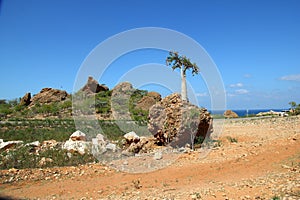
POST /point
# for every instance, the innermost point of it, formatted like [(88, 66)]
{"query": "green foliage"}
[(295, 107), (177, 61), (232, 140), (23, 157), (37, 130), (103, 102), (275, 198), (139, 115)]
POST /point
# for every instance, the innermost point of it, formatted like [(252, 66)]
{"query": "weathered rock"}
[(44, 161), (9, 144), (154, 95), (230, 114), (92, 86), (158, 155), (178, 123), (49, 95), (111, 147), (144, 145), (78, 136), (76, 146), (33, 144), (98, 145), (49, 144), (120, 101), (148, 101), (131, 137), (26, 99)]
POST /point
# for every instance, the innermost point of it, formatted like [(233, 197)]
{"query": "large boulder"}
[(148, 101), (77, 143), (49, 95), (175, 122), (92, 86), (230, 114), (26, 99)]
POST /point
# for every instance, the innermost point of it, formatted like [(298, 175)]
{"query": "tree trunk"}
[(183, 86)]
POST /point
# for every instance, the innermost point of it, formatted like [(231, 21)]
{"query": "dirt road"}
[(253, 159)]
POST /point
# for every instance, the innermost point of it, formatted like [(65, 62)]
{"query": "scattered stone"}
[(44, 161), (49, 144)]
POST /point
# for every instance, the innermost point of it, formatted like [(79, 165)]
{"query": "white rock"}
[(157, 155), (76, 146), (9, 144), (78, 136), (112, 147), (131, 137), (100, 138), (33, 144)]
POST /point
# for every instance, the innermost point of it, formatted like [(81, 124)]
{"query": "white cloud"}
[(241, 91), (204, 94), (236, 85), (292, 77)]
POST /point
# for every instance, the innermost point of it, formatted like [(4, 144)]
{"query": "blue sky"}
[(255, 44)]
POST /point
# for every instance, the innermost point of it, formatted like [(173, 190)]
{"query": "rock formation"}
[(178, 123), (148, 101), (26, 99), (49, 95), (92, 86), (230, 114), (120, 101)]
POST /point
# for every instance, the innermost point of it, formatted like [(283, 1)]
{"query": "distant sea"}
[(245, 112)]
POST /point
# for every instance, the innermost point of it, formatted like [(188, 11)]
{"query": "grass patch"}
[(22, 157)]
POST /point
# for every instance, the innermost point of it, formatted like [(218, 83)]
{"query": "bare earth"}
[(262, 164)]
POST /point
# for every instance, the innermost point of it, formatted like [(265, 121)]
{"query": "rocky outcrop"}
[(148, 101), (120, 101), (178, 123), (230, 114), (92, 86), (49, 95), (26, 99)]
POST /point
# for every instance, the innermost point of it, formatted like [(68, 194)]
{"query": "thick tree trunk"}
[(183, 86)]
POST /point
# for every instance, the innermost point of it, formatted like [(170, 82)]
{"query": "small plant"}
[(137, 184), (275, 198), (232, 140)]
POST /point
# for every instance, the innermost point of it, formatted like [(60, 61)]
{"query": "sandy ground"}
[(264, 163)]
